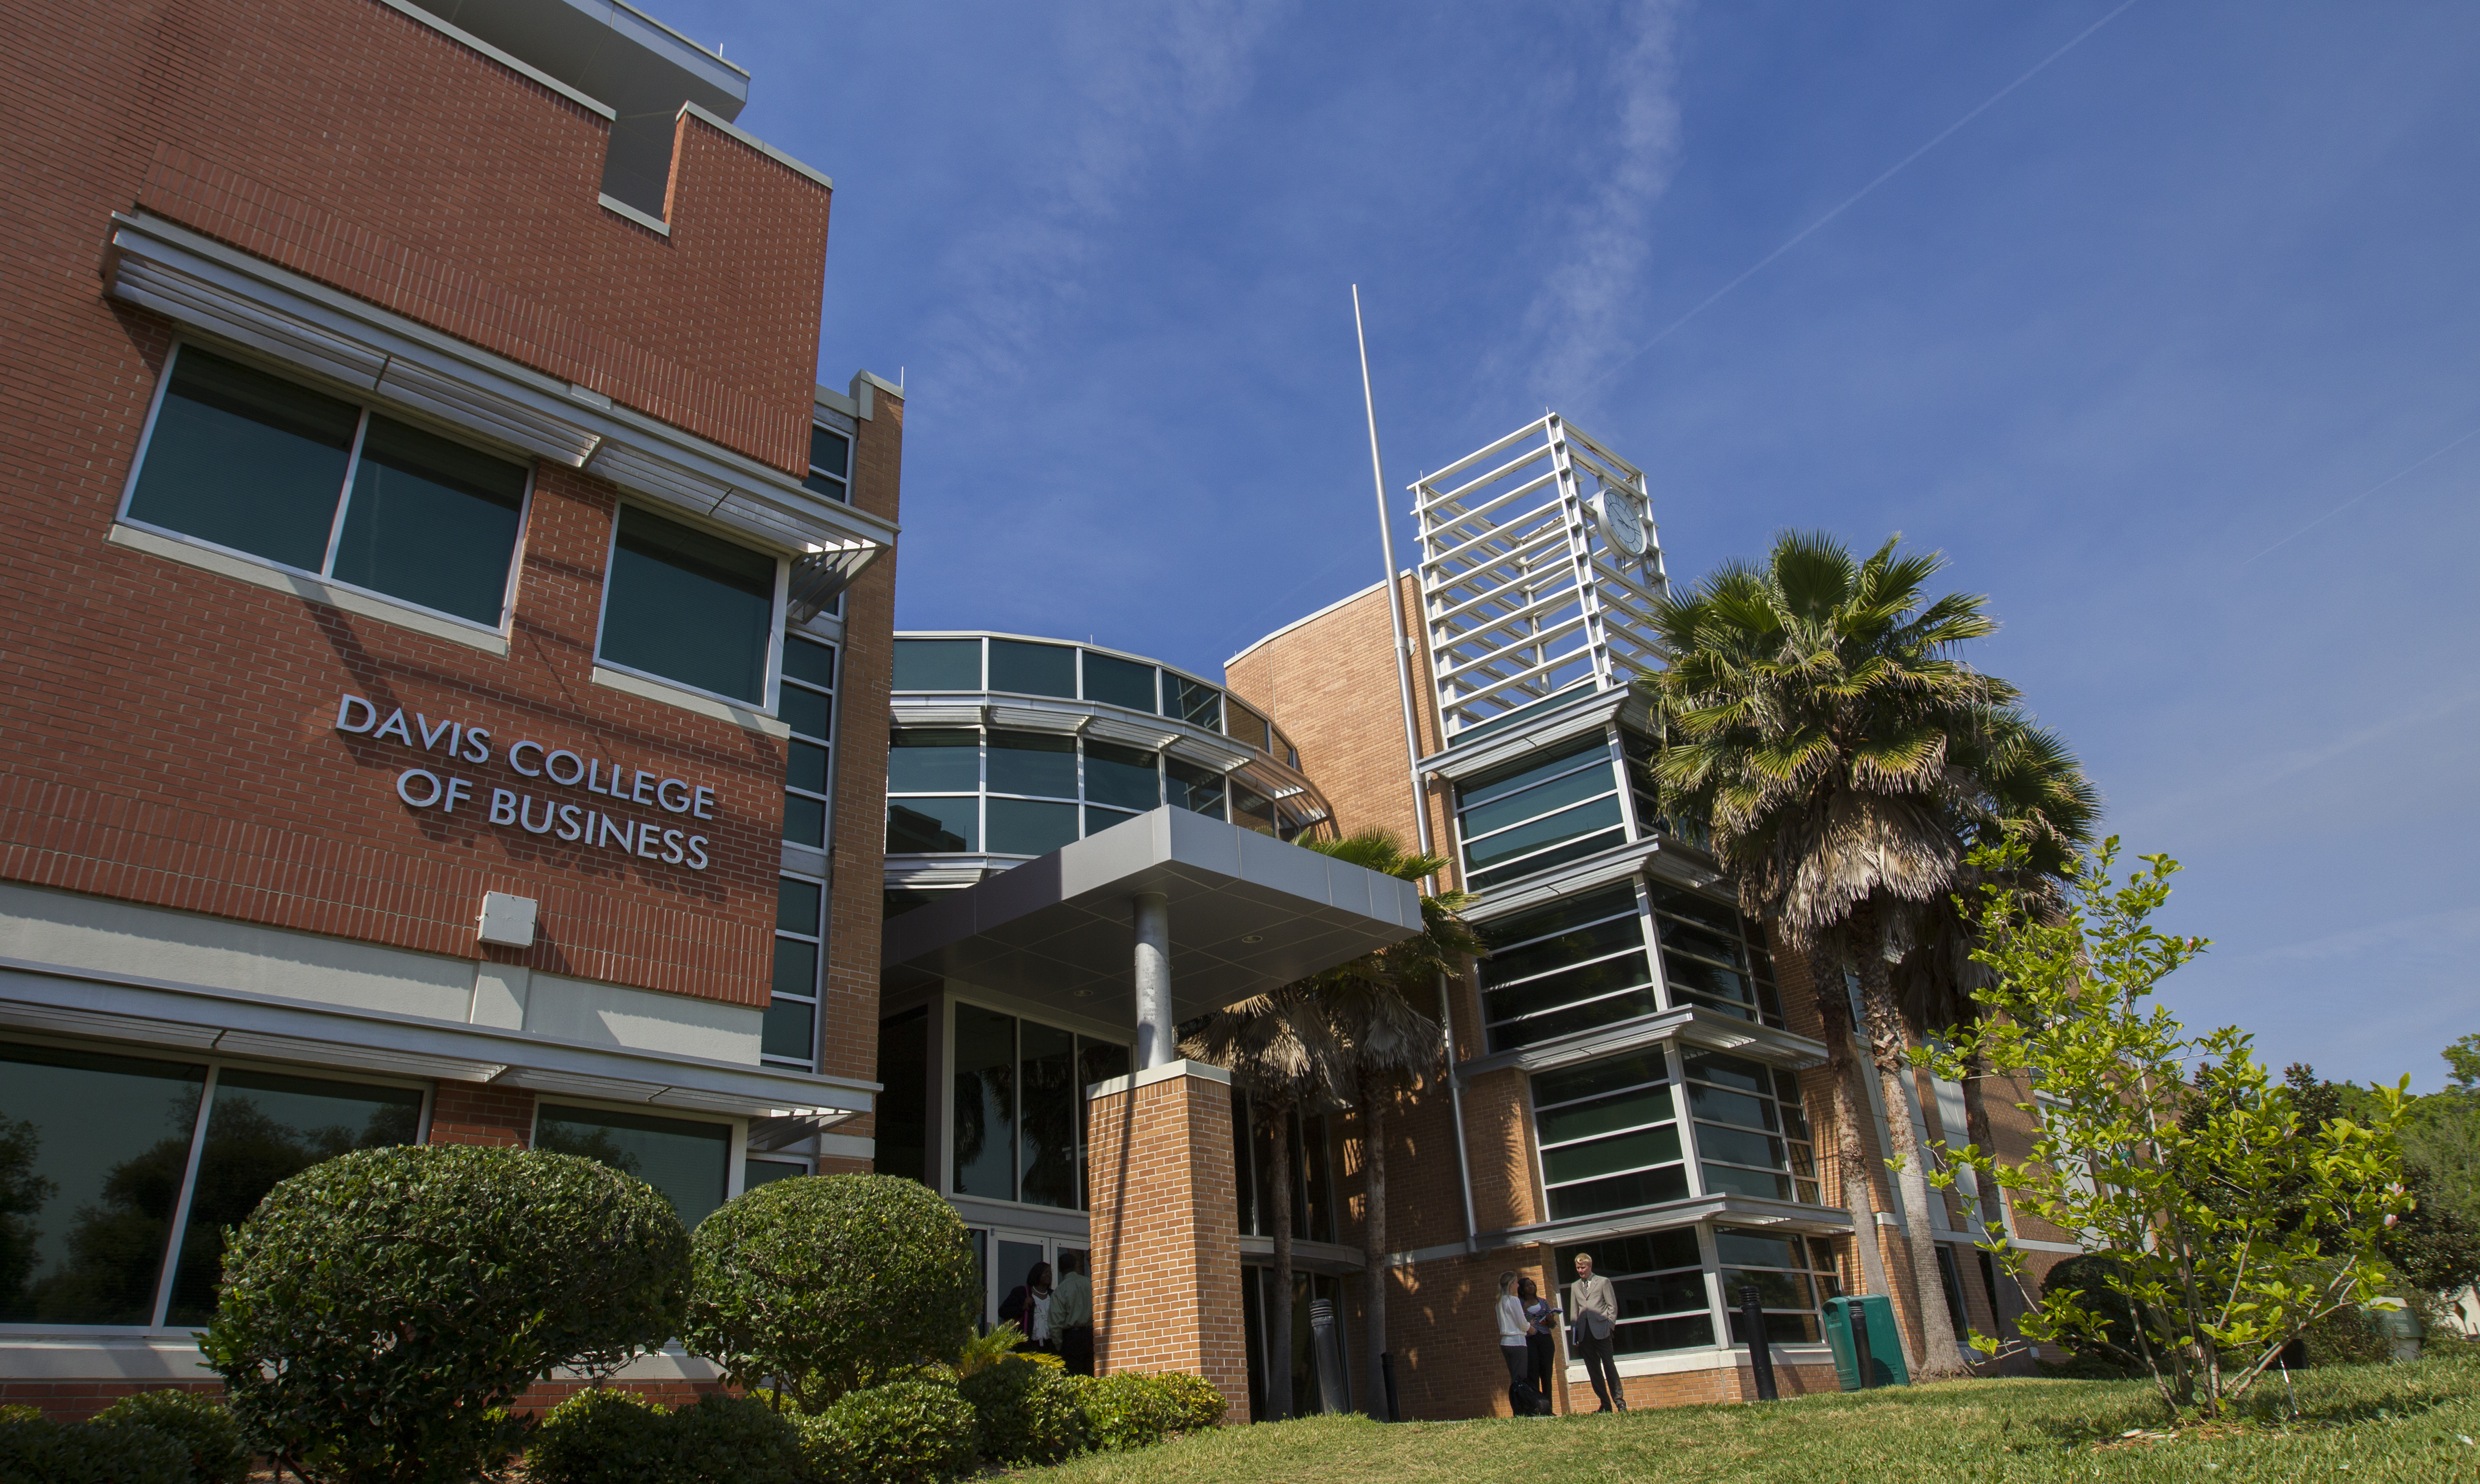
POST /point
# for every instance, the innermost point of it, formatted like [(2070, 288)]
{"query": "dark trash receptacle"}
[(1864, 1327)]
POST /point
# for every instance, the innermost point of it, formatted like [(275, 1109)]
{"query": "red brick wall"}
[(480, 1113), (171, 733)]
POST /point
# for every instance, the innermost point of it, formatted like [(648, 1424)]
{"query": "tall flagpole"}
[(1394, 589)]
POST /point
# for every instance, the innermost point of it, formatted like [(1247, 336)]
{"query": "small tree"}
[(2231, 1222), (380, 1310), (824, 1284)]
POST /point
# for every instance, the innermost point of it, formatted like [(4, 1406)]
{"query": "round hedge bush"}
[(37, 1451), (380, 1311), (824, 1284), (201, 1424), (1025, 1413), (904, 1432), (738, 1440), (604, 1437), (1132, 1411), (1199, 1405)]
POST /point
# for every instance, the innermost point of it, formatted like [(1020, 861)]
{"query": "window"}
[(1244, 725), (954, 791), (1253, 810), (98, 1153), (1311, 1165), (1793, 1277), (1192, 701), (1539, 813), (1609, 1133), (1033, 670), (1117, 682), (1660, 1278), (1714, 957), (938, 665), (1018, 1119), (830, 464), (690, 608), (689, 1160), (1577, 965), (1123, 777), (1752, 1135), (1192, 787), (789, 1035), (758, 1169), (902, 1145), (257, 464), (807, 703)]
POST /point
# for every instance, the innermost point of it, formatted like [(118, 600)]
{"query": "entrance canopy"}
[(1248, 913)]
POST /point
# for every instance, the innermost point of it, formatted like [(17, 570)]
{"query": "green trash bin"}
[(1873, 1317)]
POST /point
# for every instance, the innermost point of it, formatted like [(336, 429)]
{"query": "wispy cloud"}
[(1575, 327), (1146, 81)]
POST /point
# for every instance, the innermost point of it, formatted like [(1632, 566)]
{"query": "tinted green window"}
[(1051, 1173), (688, 1162), (1123, 777), (1193, 701), (938, 665), (1251, 810), (796, 973), (245, 460), (1097, 820), (1024, 826), (808, 713), (924, 760), (1712, 956), (435, 523), (1500, 782), (830, 464), (1033, 670), (1608, 1135), (810, 661), (805, 766), (1033, 763), (796, 905), (1659, 1282), (1118, 682), (917, 826), (790, 1031), (984, 1115), (1526, 839), (1244, 725), (689, 607), (1556, 971), (1541, 799), (758, 1172), (92, 1149), (805, 821), (1191, 788)]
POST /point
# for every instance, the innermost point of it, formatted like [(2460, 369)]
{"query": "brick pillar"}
[(1167, 1229), (480, 1113)]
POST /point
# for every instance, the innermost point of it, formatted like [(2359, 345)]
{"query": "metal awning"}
[(1248, 913)]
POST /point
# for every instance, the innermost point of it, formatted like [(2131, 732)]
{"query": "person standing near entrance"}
[(1545, 1341), (1071, 1315), (1597, 1314), (1515, 1347)]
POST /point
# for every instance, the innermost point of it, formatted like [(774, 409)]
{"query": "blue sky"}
[(2168, 349)]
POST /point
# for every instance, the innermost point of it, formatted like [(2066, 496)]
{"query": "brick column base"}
[(1166, 1228)]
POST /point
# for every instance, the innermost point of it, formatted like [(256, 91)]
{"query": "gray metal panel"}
[(1059, 930)]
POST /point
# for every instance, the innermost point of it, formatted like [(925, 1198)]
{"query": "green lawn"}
[(2368, 1422)]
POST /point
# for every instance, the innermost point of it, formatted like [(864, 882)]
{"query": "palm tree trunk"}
[(1834, 1013), (1373, 1239), (1278, 1309), (1888, 1041)]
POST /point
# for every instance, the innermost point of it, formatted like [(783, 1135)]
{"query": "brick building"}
[(435, 578)]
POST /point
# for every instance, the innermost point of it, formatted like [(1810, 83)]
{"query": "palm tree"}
[(1388, 1046), (1815, 715), (1278, 1049), (2036, 796)]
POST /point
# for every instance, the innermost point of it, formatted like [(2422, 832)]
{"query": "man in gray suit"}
[(1596, 1307)]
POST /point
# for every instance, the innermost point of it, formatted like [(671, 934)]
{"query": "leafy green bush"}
[(1131, 1411), (1201, 1406), (604, 1437), (2347, 1338), (904, 1432), (2086, 1278), (20, 1412), (2083, 1367), (34, 1449), (1025, 1413), (827, 1283), (737, 1440), (380, 1311), (202, 1424)]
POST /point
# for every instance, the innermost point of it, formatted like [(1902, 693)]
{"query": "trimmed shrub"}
[(33, 1449), (605, 1437), (904, 1432), (828, 1284), (1025, 1413), (1130, 1411), (1201, 1406), (737, 1440), (2347, 1337), (201, 1424), (2087, 1277), (380, 1311), (20, 1412)]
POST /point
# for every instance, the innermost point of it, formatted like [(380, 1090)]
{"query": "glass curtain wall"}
[(1713, 956), (688, 1159), (1609, 1134), (1666, 1303), (105, 1157), (1017, 1124), (1793, 1277), (1529, 815), (788, 1036), (807, 703), (1586, 962), (1751, 1133), (1312, 1164), (963, 790)]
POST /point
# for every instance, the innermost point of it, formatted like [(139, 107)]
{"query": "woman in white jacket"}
[(1514, 1331)]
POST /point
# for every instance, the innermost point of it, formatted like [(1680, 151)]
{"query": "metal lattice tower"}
[(1528, 583)]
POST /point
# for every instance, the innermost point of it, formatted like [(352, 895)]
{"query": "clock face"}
[(1624, 521)]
